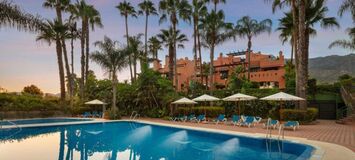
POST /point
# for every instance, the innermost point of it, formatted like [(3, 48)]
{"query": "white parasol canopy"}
[(206, 98), (239, 97), (281, 96), (95, 102), (184, 100)]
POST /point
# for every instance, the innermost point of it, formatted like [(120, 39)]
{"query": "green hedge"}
[(13, 102), (211, 111), (303, 116)]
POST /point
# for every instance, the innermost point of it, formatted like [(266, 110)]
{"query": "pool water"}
[(139, 141), (43, 120)]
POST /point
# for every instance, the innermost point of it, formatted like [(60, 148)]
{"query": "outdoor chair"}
[(220, 118), (236, 119), (248, 121), (200, 118), (271, 123), (292, 125)]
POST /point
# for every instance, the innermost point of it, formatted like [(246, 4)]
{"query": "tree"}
[(112, 59), (168, 38), (53, 31), (199, 10), (88, 16), (12, 16), (59, 6), (33, 90), (126, 9), (247, 27), (216, 2), (136, 49), (214, 31), (174, 9), (347, 5), (154, 46), (146, 8)]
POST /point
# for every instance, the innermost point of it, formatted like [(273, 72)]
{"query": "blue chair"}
[(248, 121), (292, 124), (236, 119), (220, 118), (191, 117), (271, 123), (87, 114), (200, 118), (95, 114)]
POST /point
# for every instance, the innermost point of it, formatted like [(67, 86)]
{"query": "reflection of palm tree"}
[(61, 144)]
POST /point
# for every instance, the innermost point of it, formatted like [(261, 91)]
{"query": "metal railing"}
[(134, 115), (279, 139)]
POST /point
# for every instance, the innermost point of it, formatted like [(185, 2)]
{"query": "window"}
[(224, 74)]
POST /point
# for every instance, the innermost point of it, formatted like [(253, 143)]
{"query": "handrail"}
[(134, 115)]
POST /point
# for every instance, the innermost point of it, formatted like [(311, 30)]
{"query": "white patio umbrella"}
[(98, 102), (239, 97), (206, 98), (281, 96), (184, 101)]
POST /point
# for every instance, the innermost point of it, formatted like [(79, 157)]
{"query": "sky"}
[(25, 61)]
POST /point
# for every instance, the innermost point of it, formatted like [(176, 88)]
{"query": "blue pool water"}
[(138, 141), (43, 120)]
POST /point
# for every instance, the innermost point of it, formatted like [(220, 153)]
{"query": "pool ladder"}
[(134, 115), (17, 126), (279, 139)]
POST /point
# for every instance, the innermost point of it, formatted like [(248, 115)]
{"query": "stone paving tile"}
[(324, 130)]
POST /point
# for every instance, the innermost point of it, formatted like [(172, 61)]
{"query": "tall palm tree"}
[(216, 2), (214, 31), (168, 38), (199, 10), (173, 10), (249, 28), (59, 6), (13, 16), (54, 32), (126, 9), (112, 59), (154, 46), (88, 16), (301, 67), (146, 8), (74, 34), (293, 5)]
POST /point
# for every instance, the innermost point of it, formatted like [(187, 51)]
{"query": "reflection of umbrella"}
[(97, 102), (281, 96), (206, 98), (184, 101), (239, 97)]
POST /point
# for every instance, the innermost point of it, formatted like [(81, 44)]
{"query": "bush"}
[(299, 115), (211, 111), (13, 102), (112, 114)]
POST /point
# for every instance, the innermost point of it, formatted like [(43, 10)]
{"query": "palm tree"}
[(59, 6), (88, 16), (112, 59), (12, 16), (74, 34), (199, 10), (146, 8), (346, 44), (154, 46), (216, 2), (168, 38), (174, 9), (54, 32), (214, 31), (126, 9), (347, 5), (249, 28), (136, 49)]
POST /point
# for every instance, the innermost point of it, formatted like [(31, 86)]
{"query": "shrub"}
[(211, 111), (112, 114), (299, 115)]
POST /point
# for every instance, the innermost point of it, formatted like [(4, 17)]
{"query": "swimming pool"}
[(43, 120), (139, 141)]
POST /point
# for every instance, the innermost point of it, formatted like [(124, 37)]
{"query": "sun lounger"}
[(200, 118), (248, 121), (292, 124), (87, 115), (271, 123), (191, 117), (258, 119), (220, 118), (236, 119)]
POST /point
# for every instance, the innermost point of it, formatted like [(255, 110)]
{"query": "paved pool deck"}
[(323, 130)]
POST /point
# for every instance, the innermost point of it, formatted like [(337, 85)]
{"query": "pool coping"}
[(322, 150)]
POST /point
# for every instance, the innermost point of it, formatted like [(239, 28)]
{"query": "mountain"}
[(328, 69)]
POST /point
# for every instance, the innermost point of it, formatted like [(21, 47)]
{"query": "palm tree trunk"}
[(87, 30), (171, 63), (301, 73), (67, 68), (114, 88), (292, 50), (72, 69), (135, 65), (211, 68), (249, 50), (176, 75), (61, 70), (146, 42), (129, 57), (195, 47), (199, 53), (82, 59)]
